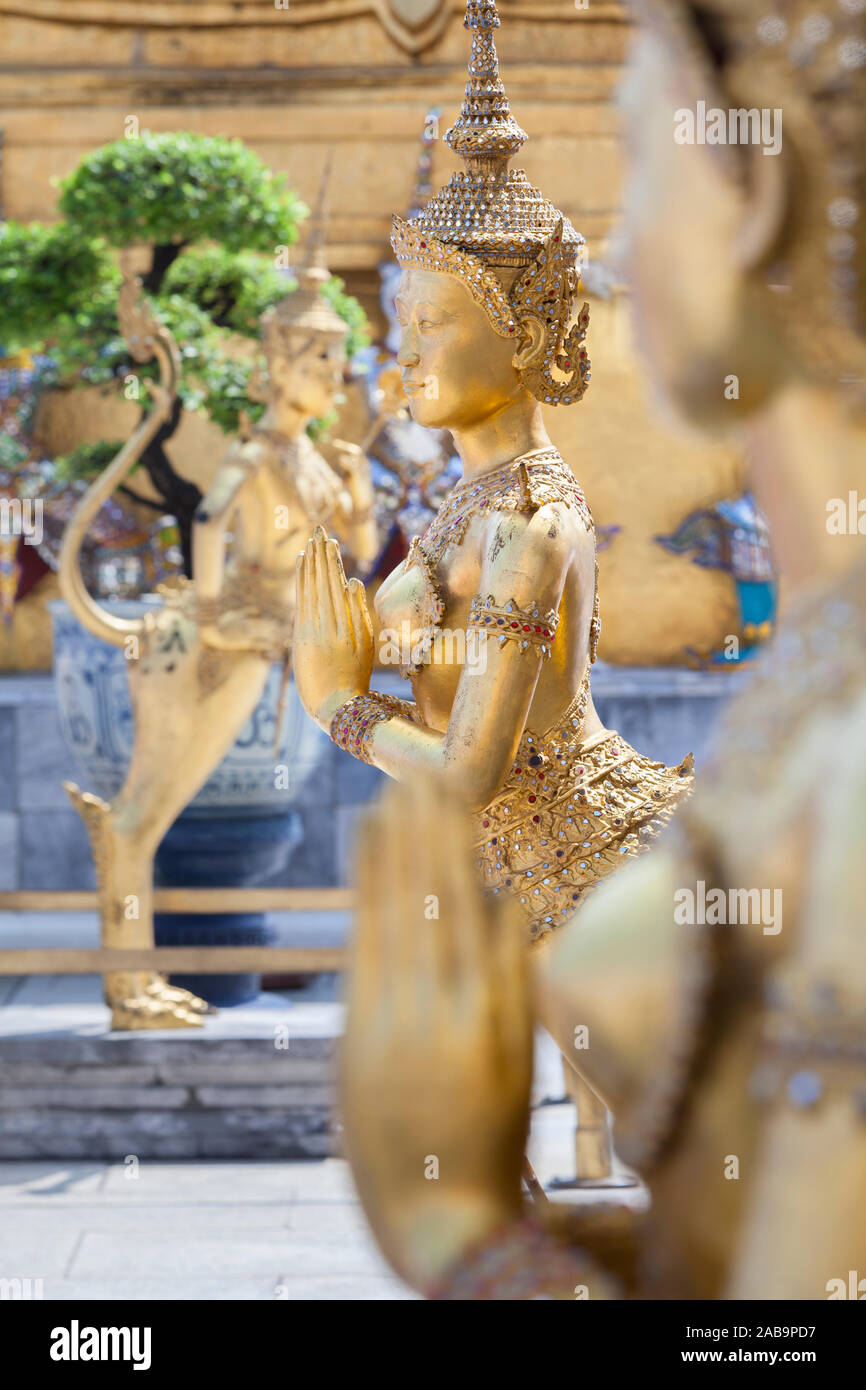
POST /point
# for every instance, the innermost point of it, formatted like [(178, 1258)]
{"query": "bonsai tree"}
[(216, 220), (45, 274)]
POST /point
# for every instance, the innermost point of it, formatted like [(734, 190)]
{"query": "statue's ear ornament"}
[(545, 292)]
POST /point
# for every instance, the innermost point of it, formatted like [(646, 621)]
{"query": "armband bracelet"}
[(207, 610), (353, 725), (527, 626)]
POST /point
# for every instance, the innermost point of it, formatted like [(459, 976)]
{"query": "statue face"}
[(307, 373), (681, 225), (456, 371)]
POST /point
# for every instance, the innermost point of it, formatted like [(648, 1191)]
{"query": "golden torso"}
[(576, 797), (399, 605), (290, 490), (779, 812), (786, 1082), (271, 491), (784, 809)]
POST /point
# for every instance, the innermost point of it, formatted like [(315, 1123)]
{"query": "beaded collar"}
[(523, 485)]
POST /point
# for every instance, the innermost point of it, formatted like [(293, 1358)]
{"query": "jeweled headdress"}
[(489, 217)]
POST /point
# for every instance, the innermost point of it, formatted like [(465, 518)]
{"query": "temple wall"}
[(293, 82), (356, 78)]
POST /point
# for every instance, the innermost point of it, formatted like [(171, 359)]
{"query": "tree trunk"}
[(180, 495), (163, 257)]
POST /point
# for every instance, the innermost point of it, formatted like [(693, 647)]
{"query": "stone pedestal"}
[(253, 1083)]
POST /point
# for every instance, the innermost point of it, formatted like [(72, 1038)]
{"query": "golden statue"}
[(497, 604), (198, 664), (722, 977), (498, 600)]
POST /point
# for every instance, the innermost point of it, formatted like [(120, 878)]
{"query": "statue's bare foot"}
[(145, 1011), (158, 988)]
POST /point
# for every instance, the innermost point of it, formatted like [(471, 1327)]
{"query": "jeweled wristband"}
[(354, 723)]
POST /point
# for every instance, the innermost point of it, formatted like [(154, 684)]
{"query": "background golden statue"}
[(198, 665), (289, 79)]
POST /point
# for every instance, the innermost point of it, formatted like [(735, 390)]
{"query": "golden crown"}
[(489, 216)]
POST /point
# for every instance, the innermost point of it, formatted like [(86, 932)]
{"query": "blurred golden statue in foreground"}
[(722, 977), (199, 664)]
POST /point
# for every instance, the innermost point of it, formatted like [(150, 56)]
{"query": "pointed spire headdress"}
[(306, 310), (423, 190), (489, 217)]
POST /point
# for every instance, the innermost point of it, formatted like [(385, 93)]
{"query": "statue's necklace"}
[(286, 452), (523, 485)]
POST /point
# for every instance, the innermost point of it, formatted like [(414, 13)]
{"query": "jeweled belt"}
[(546, 767)]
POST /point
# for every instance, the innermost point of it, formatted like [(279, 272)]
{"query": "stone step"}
[(254, 1082), (251, 1133)]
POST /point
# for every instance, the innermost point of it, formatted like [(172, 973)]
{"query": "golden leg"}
[(124, 868), (593, 1141), (593, 1147)]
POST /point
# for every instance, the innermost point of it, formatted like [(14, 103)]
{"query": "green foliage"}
[(89, 348), (321, 429), (59, 285), (233, 290), (347, 306), (13, 455), (176, 188), (85, 462), (224, 382), (47, 273)]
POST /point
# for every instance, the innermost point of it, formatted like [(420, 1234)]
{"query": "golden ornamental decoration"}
[(545, 293), (489, 217)]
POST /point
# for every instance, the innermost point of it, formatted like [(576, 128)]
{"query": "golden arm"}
[(356, 527)]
